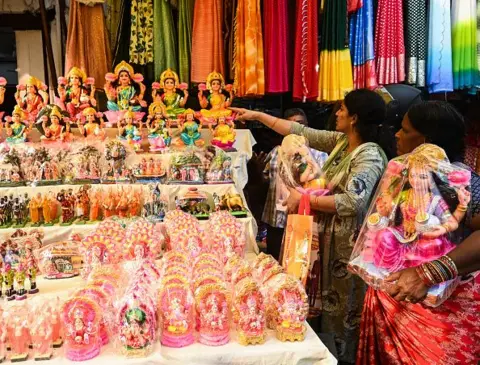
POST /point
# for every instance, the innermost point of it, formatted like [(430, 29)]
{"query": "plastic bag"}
[(409, 220)]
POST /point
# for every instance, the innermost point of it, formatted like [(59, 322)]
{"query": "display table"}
[(274, 352)]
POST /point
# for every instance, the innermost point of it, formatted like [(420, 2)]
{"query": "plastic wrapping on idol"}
[(60, 260), (12, 172), (298, 169), (176, 310), (18, 332), (410, 218), (44, 166), (219, 167), (212, 305), (287, 307), (3, 335), (116, 156), (81, 317), (41, 332), (142, 244), (186, 168), (250, 312), (98, 250), (137, 324), (227, 235)]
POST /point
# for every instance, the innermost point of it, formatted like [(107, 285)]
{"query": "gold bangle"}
[(446, 225), (462, 208)]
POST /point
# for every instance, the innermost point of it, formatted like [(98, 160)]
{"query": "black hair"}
[(370, 109), (442, 125), (332, 119), (293, 112)]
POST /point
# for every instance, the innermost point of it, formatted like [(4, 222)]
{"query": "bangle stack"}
[(437, 271), (462, 208)]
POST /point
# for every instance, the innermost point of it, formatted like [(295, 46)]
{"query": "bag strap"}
[(304, 207)]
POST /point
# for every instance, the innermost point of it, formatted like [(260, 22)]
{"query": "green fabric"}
[(141, 32), (164, 41), (185, 25), (334, 25)]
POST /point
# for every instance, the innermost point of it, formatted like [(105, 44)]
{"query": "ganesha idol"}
[(76, 92), (81, 317), (177, 313), (216, 103), (212, 304), (31, 97), (410, 220), (125, 91), (99, 250)]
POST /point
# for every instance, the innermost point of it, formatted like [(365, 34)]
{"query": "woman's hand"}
[(293, 201), (406, 285), (435, 232), (244, 114), (464, 196)]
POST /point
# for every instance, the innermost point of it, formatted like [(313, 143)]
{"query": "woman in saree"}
[(396, 327), (355, 164)]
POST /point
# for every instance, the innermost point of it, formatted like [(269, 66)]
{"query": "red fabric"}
[(402, 333), (305, 72), (389, 42), (278, 46), (354, 5), (365, 76)]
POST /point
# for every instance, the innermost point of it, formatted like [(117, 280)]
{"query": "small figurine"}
[(172, 103), (54, 309), (219, 166), (93, 128), (53, 125), (99, 250), (224, 133), (3, 83), (8, 275), (17, 131), (159, 134), (31, 267), (190, 130), (234, 204), (176, 307), (186, 169), (195, 203), (115, 155), (127, 131), (41, 332), (34, 97), (67, 205), (18, 335), (125, 91), (20, 277), (216, 99), (81, 317), (95, 203), (77, 92), (3, 336)]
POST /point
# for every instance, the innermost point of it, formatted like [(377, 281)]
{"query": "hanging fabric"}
[(464, 44), (478, 39), (361, 47), (248, 60), (207, 44), (165, 45), (336, 77), (185, 24), (229, 12), (141, 32), (305, 66), (87, 41), (278, 46), (389, 42), (416, 40), (354, 5), (113, 14), (439, 63)]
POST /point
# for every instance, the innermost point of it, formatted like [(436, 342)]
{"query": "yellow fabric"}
[(335, 79), (248, 58)]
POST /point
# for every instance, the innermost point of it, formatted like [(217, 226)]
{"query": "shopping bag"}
[(298, 241)]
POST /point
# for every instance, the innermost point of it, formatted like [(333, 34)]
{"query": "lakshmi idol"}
[(53, 125), (76, 91), (410, 220), (159, 133), (3, 83), (216, 104), (31, 97), (171, 101), (125, 91), (15, 128)]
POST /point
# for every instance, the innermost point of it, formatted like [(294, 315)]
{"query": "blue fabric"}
[(361, 34)]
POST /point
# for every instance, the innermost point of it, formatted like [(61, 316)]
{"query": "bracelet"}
[(450, 264), (446, 225), (421, 272), (462, 208)]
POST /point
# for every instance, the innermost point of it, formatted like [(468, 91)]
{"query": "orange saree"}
[(207, 44), (87, 41)]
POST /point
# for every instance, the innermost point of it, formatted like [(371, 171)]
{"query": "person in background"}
[(274, 218), (396, 328), (355, 164)]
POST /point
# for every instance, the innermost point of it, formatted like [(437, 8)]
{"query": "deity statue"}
[(18, 334), (53, 125), (216, 102), (125, 91), (190, 130), (77, 92), (31, 97), (128, 131), (17, 131), (3, 83), (250, 310), (41, 332), (137, 329), (159, 133), (171, 102), (224, 133), (92, 127)]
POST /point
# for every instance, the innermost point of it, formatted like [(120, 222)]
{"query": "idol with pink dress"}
[(421, 199)]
